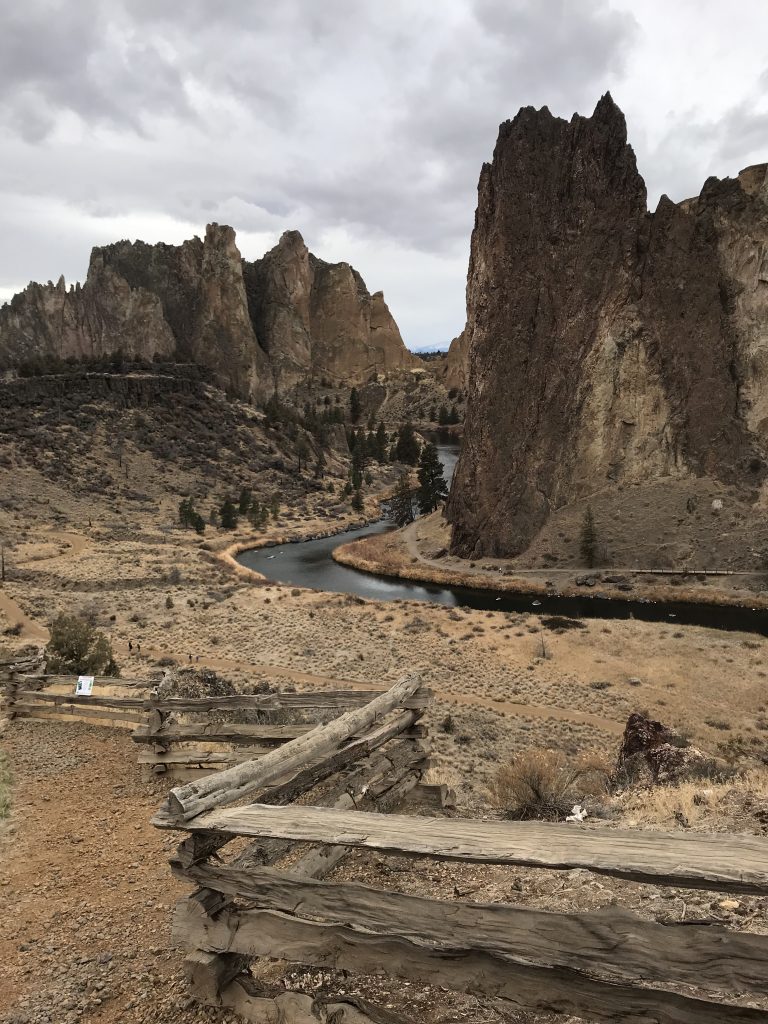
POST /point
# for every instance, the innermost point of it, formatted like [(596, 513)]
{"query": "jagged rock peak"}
[(605, 345)]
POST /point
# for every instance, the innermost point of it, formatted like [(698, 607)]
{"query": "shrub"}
[(542, 784), (76, 647)]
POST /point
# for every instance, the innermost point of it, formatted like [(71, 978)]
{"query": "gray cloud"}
[(361, 124)]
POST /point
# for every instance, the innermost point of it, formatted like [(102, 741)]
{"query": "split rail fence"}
[(272, 900), (183, 737)]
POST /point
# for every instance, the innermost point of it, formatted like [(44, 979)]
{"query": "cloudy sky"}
[(361, 123)]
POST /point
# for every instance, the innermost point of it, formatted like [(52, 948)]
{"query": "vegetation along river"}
[(310, 564)]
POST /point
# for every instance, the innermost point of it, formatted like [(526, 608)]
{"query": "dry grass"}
[(544, 784), (691, 802)]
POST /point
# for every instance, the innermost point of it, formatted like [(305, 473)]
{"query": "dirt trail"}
[(85, 885)]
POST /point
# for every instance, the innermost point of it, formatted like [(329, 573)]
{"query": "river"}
[(310, 564)]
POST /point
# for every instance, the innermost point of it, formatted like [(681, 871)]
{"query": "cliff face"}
[(606, 345), (254, 325), (318, 317)]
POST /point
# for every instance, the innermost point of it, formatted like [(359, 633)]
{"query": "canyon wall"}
[(606, 345), (255, 326)]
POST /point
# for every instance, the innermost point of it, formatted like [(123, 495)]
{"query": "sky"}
[(362, 124)]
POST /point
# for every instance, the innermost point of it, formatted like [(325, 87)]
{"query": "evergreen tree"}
[(401, 503), (320, 466), (453, 415), (302, 452), (432, 486), (186, 511), (228, 515), (357, 501), (433, 414), (245, 501), (354, 406), (274, 506), (407, 447), (198, 523), (380, 451), (442, 416), (588, 540)]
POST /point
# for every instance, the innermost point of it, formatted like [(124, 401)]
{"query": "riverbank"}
[(419, 554)]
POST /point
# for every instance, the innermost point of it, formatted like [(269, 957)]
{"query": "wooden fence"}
[(183, 736), (29, 692), (186, 738), (269, 901)]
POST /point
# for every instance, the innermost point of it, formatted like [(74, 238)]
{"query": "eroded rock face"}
[(319, 318), (255, 326), (606, 345)]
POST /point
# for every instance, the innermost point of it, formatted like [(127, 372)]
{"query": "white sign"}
[(84, 686)]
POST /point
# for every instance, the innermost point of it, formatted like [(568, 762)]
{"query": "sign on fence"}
[(84, 686)]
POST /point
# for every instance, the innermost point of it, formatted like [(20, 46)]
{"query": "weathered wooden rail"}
[(179, 737), (271, 901)]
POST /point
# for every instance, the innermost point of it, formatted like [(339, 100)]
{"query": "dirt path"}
[(85, 886)]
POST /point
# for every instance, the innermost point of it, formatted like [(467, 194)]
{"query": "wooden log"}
[(313, 700), (47, 711), (320, 699), (611, 942), (202, 757), (81, 700), (215, 732), (243, 780), (526, 986), (698, 861), (71, 680), (208, 973)]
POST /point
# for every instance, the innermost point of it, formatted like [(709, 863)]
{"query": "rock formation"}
[(256, 325), (453, 368), (607, 345), (318, 317)]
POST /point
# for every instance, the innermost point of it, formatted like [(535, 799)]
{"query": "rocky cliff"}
[(319, 318), (276, 321), (607, 345)]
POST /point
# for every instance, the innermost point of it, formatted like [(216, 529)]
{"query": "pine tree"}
[(401, 503), (228, 515), (381, 443), (442, 416), (354, 406), (432, 486), (357, 501), (588, 541), (407, 447), (245, 501), (453, 415), (186, 511)]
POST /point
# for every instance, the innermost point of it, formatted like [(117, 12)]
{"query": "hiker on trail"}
[(130, 645)]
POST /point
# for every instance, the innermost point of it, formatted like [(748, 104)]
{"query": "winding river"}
[(310, 564)]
